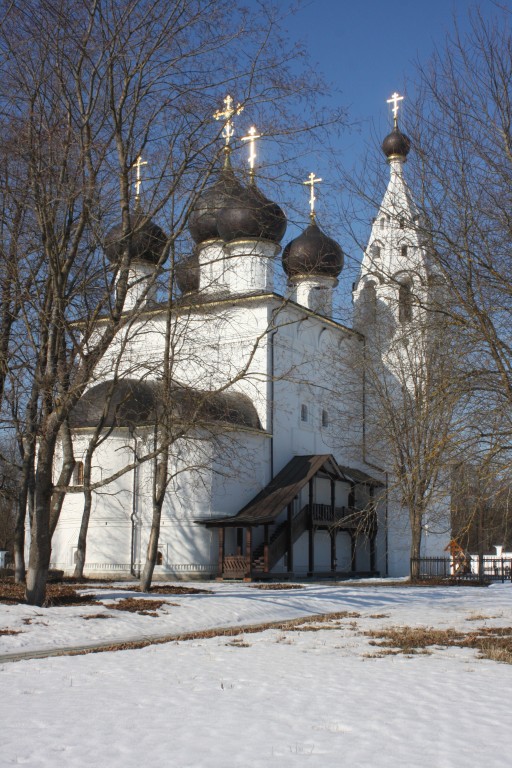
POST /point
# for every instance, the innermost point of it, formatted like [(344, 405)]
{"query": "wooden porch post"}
[(334, 529), (333, 550), (248, 552), (373, 535), (290, 538), (353, 563), (373, 552), (265, 548), (220, 567), (239, 540), (311, 533)]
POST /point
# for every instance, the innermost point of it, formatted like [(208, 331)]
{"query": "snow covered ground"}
[(282, 697)]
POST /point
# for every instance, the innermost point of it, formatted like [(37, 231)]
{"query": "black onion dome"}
[(396, 144), (250, 214), (313, 253), (187, 273), (147, 241), (202, 223)]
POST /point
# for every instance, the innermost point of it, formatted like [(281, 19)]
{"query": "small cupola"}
[(145, 243), (312, 262), (312, 254), (396, 145)]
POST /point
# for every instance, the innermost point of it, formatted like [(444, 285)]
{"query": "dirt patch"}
[(271, 586), (169, 589), (57, 594), (139, 605), (10, 632), (68, 591)]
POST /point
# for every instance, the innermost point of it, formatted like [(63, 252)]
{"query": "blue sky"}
[(367, 50)]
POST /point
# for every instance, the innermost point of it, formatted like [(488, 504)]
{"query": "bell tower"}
[(393, 284)]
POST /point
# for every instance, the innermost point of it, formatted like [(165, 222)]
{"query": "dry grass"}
[(493, 643), (410, 638), (98, 616), (10, 631), (318, 623), (239, 642)]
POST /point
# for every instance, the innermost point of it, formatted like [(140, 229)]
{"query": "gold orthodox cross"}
[(229, 112), (251, 138), (311, 181), (138, 178), (394, 100)]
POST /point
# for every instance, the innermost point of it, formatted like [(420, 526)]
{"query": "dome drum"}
[(187, 273)]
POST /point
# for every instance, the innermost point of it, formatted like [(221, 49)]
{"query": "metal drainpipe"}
[(272, 391), (135, 543), (371, 464)]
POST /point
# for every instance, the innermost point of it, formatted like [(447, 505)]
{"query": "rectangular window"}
[(79, 473), (303, 413), (325, 419)]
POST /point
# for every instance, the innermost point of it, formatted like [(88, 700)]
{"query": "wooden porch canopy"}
[(286, 485)]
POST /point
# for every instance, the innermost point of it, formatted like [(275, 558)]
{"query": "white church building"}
[(271, 469)]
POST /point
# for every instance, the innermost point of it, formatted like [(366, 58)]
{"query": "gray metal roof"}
[(286, 485), (131, 403)]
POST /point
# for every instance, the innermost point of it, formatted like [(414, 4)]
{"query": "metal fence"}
[(493, 568)]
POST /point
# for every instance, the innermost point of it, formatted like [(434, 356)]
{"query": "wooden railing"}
[(324, 513), (347, 517), (235, 566)]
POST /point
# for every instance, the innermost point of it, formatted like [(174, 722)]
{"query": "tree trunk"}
[(40, 543), (416, 530), (66, 473), (25, 499), (86, 515), (159, 487)]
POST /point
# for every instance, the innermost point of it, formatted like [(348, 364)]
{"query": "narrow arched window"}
[(404, 251), (375, 252), (370, 302), (405, 303)]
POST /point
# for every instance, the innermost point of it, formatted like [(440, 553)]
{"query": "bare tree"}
[(463, 167)]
